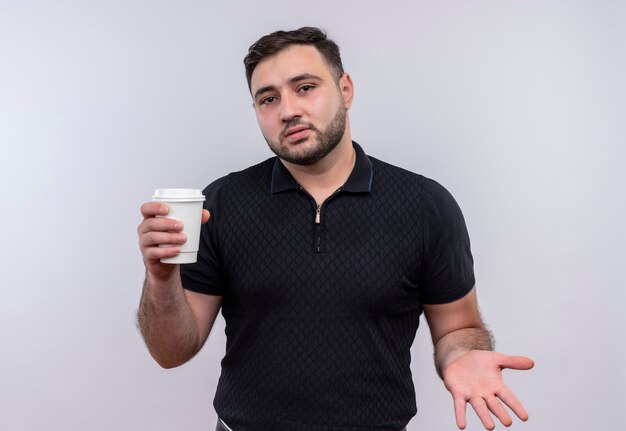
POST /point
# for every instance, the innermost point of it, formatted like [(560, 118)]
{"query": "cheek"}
[(264, 123), (326, 105)]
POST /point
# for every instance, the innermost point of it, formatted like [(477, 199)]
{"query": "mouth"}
[(297, 132), (294, 130)]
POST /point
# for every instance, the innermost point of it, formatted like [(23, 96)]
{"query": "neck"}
[(323, 178)]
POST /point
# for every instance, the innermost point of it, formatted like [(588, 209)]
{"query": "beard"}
[(327, 140)]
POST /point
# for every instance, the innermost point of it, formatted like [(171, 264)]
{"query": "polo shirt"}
[(322, 304)]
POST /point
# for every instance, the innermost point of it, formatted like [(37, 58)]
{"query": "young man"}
[(322, 260)]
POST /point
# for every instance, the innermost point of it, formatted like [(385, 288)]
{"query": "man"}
[(322, 260)]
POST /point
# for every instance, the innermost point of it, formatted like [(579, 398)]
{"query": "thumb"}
[(206, 215), (516, 362)]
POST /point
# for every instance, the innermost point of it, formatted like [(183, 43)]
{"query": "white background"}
[(517, 107)]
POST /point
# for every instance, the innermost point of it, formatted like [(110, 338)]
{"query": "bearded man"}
[(322, 260)]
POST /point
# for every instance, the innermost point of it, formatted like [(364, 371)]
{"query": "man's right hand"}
[(154, 231), (174, 322)]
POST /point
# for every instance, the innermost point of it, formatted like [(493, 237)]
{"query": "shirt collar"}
[(360, 180)]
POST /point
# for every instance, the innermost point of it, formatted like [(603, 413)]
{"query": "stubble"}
[(327, 141)]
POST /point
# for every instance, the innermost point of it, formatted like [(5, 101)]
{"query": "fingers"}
[(152, 239), (477, 379), (459, 412), (482, 411), (159, 245), (205, 216), (509, 398), (153, 209), (499, 411), (516, 362), (505, 394), (160, 224), (158, 253), (159, 237), (485, 407)]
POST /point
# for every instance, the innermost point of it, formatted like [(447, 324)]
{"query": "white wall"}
[(517, 107)]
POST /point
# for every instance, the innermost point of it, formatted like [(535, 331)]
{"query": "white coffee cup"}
[(184, 205)]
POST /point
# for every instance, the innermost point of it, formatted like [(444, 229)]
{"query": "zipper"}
[(318, 243), (318, 208)]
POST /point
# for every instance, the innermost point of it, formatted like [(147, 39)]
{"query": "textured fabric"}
[(320, 317), (221, 426)]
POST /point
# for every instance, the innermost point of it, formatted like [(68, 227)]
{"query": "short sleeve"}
[(207, 275), (447, 272)]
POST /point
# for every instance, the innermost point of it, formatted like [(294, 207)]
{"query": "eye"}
[(306, 88), (268, 100)]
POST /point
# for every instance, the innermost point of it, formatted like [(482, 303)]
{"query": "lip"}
[(296, 133), (294, 130)]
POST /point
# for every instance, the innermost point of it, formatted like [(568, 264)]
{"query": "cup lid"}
[(178, 195)]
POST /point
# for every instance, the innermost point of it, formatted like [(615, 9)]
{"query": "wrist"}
[(458, 343), (161, 287), (444, 360), (162, 275)]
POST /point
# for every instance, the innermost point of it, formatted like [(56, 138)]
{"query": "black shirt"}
[(321, 308)]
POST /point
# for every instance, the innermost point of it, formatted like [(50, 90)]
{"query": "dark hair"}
[(275, 42)]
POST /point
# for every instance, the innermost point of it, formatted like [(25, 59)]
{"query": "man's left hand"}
[(476, 377)]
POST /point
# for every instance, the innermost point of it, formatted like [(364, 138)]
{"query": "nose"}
[(290, 107)]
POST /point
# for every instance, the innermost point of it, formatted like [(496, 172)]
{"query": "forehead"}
[(287, 63)]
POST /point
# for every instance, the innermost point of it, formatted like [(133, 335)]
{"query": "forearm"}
[(166, 322), (457, 343)]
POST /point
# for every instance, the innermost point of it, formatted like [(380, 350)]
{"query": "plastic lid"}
[(178, 195)]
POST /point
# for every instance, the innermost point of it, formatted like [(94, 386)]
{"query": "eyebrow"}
[(295, 79)]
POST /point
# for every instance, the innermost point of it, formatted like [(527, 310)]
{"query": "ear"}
[(346, 86)]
